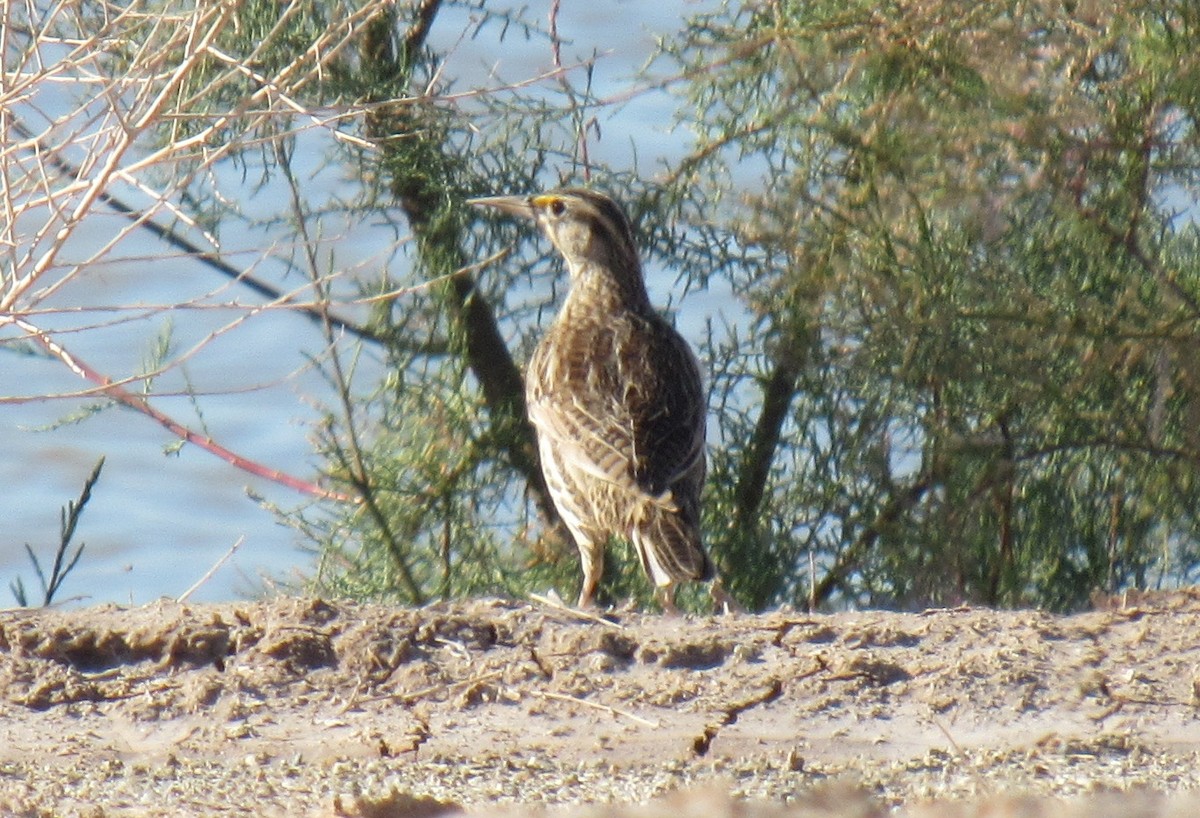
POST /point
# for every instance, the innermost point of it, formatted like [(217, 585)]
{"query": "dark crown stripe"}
[(611, 219)]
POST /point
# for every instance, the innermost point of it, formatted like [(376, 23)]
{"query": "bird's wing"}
[(625, 405), (669, 416)]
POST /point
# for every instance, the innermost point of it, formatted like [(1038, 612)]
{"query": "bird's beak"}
[(513, 205)]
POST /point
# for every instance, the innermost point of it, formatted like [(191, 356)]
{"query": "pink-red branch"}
[(141, 404)]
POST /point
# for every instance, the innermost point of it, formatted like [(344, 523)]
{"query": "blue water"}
[(158, 521)]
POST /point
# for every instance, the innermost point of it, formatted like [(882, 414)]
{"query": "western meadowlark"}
[(616, 398)]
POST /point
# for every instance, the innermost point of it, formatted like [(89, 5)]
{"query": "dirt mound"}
[(296, 706)]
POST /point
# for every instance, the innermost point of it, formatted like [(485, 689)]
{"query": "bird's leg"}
[(723, 601), (666, 598), (592, 558)]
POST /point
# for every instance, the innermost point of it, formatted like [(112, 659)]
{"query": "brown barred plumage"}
[(616, 397)]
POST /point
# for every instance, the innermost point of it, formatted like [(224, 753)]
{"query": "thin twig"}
[(209, 573), (209, 258), (946, 732), (587, 616), (142, 404), (581, 125), (616, 711), (467, 269), (360, 477)]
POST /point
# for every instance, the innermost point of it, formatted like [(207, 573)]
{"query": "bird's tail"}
[(667, 539)]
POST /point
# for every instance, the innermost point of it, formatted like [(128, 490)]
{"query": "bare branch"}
[(142, 405)]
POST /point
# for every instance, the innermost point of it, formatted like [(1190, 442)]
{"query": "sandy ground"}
[(320, 708)]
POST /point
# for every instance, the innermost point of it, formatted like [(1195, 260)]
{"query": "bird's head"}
[(588, 228)]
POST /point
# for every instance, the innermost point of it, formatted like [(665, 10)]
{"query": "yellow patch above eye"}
[(544, 200)]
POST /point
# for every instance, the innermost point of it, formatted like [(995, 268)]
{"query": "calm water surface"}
[(159, 521)]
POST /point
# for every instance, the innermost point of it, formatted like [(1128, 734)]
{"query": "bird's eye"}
[(557, 207)]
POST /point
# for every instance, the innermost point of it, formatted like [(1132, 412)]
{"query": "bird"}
[(616, 399)]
